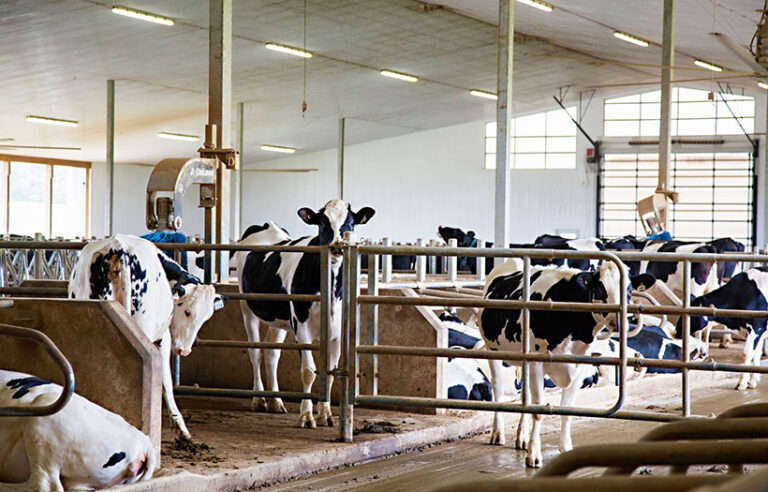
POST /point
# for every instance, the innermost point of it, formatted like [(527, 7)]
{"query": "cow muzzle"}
[(336, 250)]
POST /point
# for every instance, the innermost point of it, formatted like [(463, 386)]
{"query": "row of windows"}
[(44, 198)]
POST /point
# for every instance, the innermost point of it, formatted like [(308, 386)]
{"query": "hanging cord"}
[(762, 21), (304, 96)]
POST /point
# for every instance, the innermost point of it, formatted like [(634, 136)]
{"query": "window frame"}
[(7, 161)]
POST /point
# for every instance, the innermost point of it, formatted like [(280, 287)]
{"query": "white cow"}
[(133, 272), (81, 447)]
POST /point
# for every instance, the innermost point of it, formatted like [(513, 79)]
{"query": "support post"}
[(503, 120), (526, 313), (667, 60), (342, 125), (452, 261), (219, 114), (238, 195), (686, 336), (421, 263), (108, 216), (480, 262), (386, 263), (324, 389)]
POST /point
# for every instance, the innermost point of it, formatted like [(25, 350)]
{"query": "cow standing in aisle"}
[(81, 447), (553, 332), (747, 291), (168, 305), (294, 273), (703, 276)]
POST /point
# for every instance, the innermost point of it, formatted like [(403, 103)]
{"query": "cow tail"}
[(120, 278)]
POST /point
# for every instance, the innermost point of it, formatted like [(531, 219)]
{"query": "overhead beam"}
[(110, 163), (220, 114), (503, 122), (665, 122)]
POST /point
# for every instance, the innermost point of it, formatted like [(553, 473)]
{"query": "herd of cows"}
[(85, 446)]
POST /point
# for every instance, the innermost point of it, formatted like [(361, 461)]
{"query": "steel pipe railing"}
[(67, 389), (591, 484)]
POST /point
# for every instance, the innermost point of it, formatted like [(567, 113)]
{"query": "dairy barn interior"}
[(383, 245)]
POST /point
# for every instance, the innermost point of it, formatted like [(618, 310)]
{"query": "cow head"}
[(463, 239), (192, 306), (333, 220), (604, 285), (698, 323)]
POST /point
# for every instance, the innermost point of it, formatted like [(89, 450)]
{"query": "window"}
[(43, 196), (538, 141), (693, 113)]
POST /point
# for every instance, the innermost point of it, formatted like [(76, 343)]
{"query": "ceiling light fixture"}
[(484, 94), (708, 66), (277, 148), (399, 76), (288, 49), (51, 121), (631, 39), (178, 136), (538, 5), (762, 85), (141, 15)]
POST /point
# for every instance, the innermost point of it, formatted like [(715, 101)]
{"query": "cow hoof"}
[(497, 438), (324, 416), (533, 461), (182, 438), (741, 386), (275, 405), (307, 420), (752, 384), (521, 444), (258, 404)]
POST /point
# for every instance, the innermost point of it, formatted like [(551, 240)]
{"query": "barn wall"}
[(419, 181)]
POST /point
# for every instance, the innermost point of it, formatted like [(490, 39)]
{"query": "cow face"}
[(462, 238), (604, 286), (190, 311), (333, 220)]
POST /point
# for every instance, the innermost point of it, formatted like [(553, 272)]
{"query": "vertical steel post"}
[(324, 389), (686, 335), (219, 114), (345, 418), (452, 261), (208, 238), (238, 208), (421, 263), (38, 258), (109, 215), (480, 261), (342, 124), (667, 60), (372, 388), (623, 326), (176, 370), (432, 260), (354, 325), (526, 314), (386, 263), (503, 121)]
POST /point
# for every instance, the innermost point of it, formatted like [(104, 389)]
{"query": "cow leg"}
[(497, 383), (308, 373), (251, 323), (567, 399), (45, 474), (271, 359), (534, 459), (524, 424), (324, 414), (170, 402), (756, 356), (746, 358)]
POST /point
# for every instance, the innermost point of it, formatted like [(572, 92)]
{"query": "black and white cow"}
[(552, 332), (703, 276), (294, 273), (81, 447), (726, 269), (167, 304), (627, 243), (746, 290), (465, 240)]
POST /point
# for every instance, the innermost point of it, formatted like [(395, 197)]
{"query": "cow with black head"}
[(294, 273)]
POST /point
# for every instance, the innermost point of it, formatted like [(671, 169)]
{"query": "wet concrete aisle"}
[(475, 459)]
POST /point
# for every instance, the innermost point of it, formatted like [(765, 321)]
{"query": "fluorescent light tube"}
[(178, 136), (51, 121), (277, 148), (289, 50), (538, 5), (762, 85), (483, 94), (708, 66), (631, 39), (145, 16), (399, 76)]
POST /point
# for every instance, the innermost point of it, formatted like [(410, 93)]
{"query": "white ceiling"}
[(58, 54)]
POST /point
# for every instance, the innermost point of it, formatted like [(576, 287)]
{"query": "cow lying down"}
[(82, 447)]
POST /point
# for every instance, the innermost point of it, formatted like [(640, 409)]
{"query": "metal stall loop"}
[(623, 307), (68, 388)]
